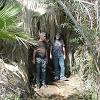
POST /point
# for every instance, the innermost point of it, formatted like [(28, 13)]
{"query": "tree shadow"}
[(70, 97), (74, 97), (56, 97), (59, 97), (51, 97)]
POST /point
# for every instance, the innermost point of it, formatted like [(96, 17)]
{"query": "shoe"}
[(44, 86), (63, 78), (56, 78), (37, 86)]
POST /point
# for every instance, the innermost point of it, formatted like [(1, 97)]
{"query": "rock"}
[(13, 84)]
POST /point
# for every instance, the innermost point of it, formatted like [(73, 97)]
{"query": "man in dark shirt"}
[(40, 59)]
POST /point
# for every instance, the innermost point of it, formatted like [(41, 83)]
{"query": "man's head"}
[(57, 36), (42, 36)]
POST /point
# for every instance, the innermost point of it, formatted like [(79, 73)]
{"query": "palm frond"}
[(8, 13), (2, 4)]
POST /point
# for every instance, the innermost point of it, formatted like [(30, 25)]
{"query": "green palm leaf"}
[(8, 13)]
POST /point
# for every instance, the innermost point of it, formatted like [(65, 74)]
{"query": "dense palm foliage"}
[(7, 16), (78, 21)]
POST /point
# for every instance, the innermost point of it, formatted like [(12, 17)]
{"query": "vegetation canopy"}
[(78, 21)]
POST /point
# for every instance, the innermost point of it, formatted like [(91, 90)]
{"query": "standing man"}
[(58, 55), (40, 59)]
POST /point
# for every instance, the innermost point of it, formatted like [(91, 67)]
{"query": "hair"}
[(59, 35), (42, 33)]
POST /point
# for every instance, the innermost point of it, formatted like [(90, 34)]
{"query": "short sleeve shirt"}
[(41, 49), (58, 47)]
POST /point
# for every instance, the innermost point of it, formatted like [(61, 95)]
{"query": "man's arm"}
[(51, 52), (34, 54), (64, 49), (64, 52)]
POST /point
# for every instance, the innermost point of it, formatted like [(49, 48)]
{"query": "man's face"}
[(42, 36), (57, 36)]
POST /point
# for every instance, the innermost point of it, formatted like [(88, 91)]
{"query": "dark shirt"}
[(41, 49), (58, 47)]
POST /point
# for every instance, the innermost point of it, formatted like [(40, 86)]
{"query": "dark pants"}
[(40, 70)]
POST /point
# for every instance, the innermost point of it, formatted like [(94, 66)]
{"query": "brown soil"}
[(61, 90)]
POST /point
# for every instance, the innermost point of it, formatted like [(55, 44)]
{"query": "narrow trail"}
[(61, 90)]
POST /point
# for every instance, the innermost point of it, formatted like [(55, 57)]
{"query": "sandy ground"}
[(61, 90)]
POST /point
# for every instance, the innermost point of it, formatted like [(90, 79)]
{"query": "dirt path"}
[(61, 90)]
